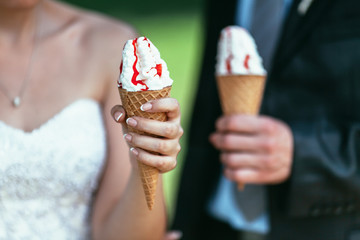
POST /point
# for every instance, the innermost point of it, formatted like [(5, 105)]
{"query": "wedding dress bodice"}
[(48, 176)]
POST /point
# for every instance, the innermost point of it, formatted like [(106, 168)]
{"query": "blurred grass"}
[(176, 30)]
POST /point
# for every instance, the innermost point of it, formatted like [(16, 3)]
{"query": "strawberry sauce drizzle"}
[(158, 67), (136, 72), (246, 61), (230, 56), (121, 67)]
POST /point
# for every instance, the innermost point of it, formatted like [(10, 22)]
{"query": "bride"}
[(66, 171)]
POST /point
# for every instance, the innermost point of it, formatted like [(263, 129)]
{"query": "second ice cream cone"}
[(132, 102), (241, 94)]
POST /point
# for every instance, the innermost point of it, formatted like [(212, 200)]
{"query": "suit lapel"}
[(296, 29)]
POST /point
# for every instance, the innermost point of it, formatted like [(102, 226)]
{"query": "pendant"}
[(17, 101)]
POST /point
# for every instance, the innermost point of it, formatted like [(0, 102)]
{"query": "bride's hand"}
[(169, 133)]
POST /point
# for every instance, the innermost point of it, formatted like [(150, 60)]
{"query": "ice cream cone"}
[(132, 102), (241, 94)]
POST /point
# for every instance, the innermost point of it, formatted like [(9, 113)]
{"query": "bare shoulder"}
[(105, 38), (103, 32), (95, 28), (102, 29), (100, 40)]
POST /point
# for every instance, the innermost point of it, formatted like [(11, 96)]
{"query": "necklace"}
[(16, 101)]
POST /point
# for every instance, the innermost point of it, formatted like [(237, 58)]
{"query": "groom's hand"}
[(255, 149)]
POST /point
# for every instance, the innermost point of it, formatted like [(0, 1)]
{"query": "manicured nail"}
[(174, 235), (134, 151), (146, 106), (132, 122), (118, 115), (127, 137)]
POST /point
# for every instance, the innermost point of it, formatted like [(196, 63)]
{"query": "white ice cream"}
[(237, 53), (142, 68)]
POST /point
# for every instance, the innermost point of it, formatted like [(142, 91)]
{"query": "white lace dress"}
[(48, 176)]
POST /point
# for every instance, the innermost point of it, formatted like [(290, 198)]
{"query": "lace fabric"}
[(48, 176)]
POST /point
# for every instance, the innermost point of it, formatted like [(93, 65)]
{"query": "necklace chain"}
[(16, 101)]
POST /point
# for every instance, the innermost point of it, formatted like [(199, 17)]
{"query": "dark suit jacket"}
[(314, 86)]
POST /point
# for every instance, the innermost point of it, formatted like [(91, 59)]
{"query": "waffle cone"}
[(132, 102), (241, 94)]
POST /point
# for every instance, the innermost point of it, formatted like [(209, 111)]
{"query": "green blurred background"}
[(176, 29)]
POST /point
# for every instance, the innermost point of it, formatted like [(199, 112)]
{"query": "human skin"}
[(77, 55), (254, 149)]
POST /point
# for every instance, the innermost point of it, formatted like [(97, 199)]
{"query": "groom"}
[(303, 152)]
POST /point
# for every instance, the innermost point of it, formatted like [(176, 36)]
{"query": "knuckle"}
[(268, 145), (178, 148), (170, 130), (162, 146), (232, 160), (225, 141), (181, 131), (173, 164), (228, 159), (269, 126), (142, 157), (161, 164), (230, 123), (267, 161), (176, 103), (237, 176)]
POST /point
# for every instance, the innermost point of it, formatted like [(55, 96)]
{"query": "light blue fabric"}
[(287, 5), (244, 13), (223, 204)]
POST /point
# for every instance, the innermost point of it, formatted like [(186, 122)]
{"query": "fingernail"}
[(132, 122), (175, 235), (146, 106), (134, 151), (118, 115), (127, 137)]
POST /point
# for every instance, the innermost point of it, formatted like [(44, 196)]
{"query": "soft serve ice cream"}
[(237, 53), (142, 68)]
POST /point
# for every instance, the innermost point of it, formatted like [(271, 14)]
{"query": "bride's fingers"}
[(164, 129), (163, 163), (118, 113), (153, 144), (168, 105)]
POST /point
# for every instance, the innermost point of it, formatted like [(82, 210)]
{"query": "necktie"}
[(265, 27)]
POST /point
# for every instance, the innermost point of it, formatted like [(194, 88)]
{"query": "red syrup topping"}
[(228, 63), (121, 66), (246, 61), (159, 69), (158, 66), (146, 39), (230, 57), (136, 72)]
